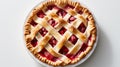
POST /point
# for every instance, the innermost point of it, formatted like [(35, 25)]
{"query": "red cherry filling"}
[(62, 30), (87, 19), (53, 41), (90, 38), (55, 7), (73, 39), (50, 7), (80, 12), (82, 28), (69, 6), (52, 22), (71, 56), (63, 50), (71, 19), (46, 54), (33, 23), (34, 42), (61, 12), (83, 48), (43, 31), (40, 14)]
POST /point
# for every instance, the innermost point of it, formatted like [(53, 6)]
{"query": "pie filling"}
[(73, 39), (61, 12), (40, 14), (52, 22), (62, 30), (63, 50), (71, 19), (52, 41), (82, 28), (34, 42), (43, 31), (33, 23), (44, 53), (73, 56)]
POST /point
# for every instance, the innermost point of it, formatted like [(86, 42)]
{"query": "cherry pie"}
[(60, 32)]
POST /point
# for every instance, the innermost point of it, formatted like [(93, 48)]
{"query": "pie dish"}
[(60, 32)]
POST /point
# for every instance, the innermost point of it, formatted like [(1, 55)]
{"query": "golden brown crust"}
[(29, 34)]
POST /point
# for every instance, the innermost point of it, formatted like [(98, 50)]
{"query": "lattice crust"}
[(79, 15)]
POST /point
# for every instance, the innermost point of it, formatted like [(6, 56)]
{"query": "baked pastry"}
[(60, 32)]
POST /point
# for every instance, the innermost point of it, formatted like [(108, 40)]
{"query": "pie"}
[(60, 32)]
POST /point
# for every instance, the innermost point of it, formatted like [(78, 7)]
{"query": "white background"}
[(13, 52)]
